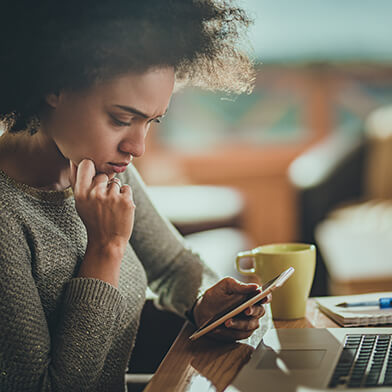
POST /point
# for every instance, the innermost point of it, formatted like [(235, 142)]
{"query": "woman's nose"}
[(134, 142)]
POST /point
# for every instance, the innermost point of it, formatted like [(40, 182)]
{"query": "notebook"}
[(356, 316), (319, 359)]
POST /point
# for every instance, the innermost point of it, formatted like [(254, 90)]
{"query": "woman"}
[(81, 83)]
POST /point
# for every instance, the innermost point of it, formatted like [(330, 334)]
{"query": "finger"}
[(254, 311), (127, 192), (265, 300), (114, 185), (114, 188), (99, 184), (84, 176), (72, 173), (233, 286), (243, 324), (255, 308)]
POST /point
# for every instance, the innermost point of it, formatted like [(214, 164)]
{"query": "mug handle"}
[(248, 254)]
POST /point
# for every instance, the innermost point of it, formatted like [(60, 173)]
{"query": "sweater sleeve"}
[(32, 358), (175, 273)]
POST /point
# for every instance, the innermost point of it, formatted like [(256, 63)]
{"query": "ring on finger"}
[(115, 181)]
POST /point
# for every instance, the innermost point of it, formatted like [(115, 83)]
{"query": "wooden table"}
[(207, 365)]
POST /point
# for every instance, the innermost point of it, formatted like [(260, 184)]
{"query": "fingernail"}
[(248, 311)]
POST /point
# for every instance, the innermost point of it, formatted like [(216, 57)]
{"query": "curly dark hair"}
[(49, 45)]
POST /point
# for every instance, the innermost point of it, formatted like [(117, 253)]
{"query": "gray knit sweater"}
[(63, 333)]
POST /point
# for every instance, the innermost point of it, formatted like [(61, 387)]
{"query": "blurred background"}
[(305, 157)]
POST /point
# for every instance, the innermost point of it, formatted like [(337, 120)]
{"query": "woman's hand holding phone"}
[(230, 291), (107, 211)]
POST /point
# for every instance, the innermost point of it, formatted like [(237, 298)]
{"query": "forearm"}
[(182, 282)]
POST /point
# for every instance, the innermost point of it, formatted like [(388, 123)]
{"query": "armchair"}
[(328, 174), (353, 240)]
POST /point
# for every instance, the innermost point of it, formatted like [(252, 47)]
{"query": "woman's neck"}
[(34, 160)]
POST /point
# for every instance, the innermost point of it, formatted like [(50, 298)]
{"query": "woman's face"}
[(108, 123)]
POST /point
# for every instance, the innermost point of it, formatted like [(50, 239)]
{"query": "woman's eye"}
[(119, 122), (155, 120)]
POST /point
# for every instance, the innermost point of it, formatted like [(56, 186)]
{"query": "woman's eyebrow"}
[(132, 110)]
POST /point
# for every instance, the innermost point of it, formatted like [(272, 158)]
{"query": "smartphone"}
[(238, 307)]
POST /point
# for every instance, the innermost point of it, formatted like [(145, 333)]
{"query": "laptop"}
[(317, 359)]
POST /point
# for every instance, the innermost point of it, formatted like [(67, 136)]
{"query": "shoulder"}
[(12, 212), (13, 243), (10, 221), (10, 198)]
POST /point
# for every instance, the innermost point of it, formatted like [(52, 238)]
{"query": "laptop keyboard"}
[(365, 361)]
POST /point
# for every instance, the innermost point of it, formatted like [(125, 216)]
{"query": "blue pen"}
[(383, 303)]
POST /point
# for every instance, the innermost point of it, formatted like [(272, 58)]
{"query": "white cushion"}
[(193, 204), (356, 241), (219, 247)]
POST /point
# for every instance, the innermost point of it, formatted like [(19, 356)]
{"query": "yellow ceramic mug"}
[(288, 301)]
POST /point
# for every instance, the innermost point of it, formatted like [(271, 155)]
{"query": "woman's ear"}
[(52, 99)]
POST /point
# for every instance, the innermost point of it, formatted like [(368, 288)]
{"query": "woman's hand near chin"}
[(107, 210)]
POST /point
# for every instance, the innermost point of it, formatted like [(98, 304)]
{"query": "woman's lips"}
[(118, 167)]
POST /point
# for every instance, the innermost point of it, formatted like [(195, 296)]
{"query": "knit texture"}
[(63, 333)]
